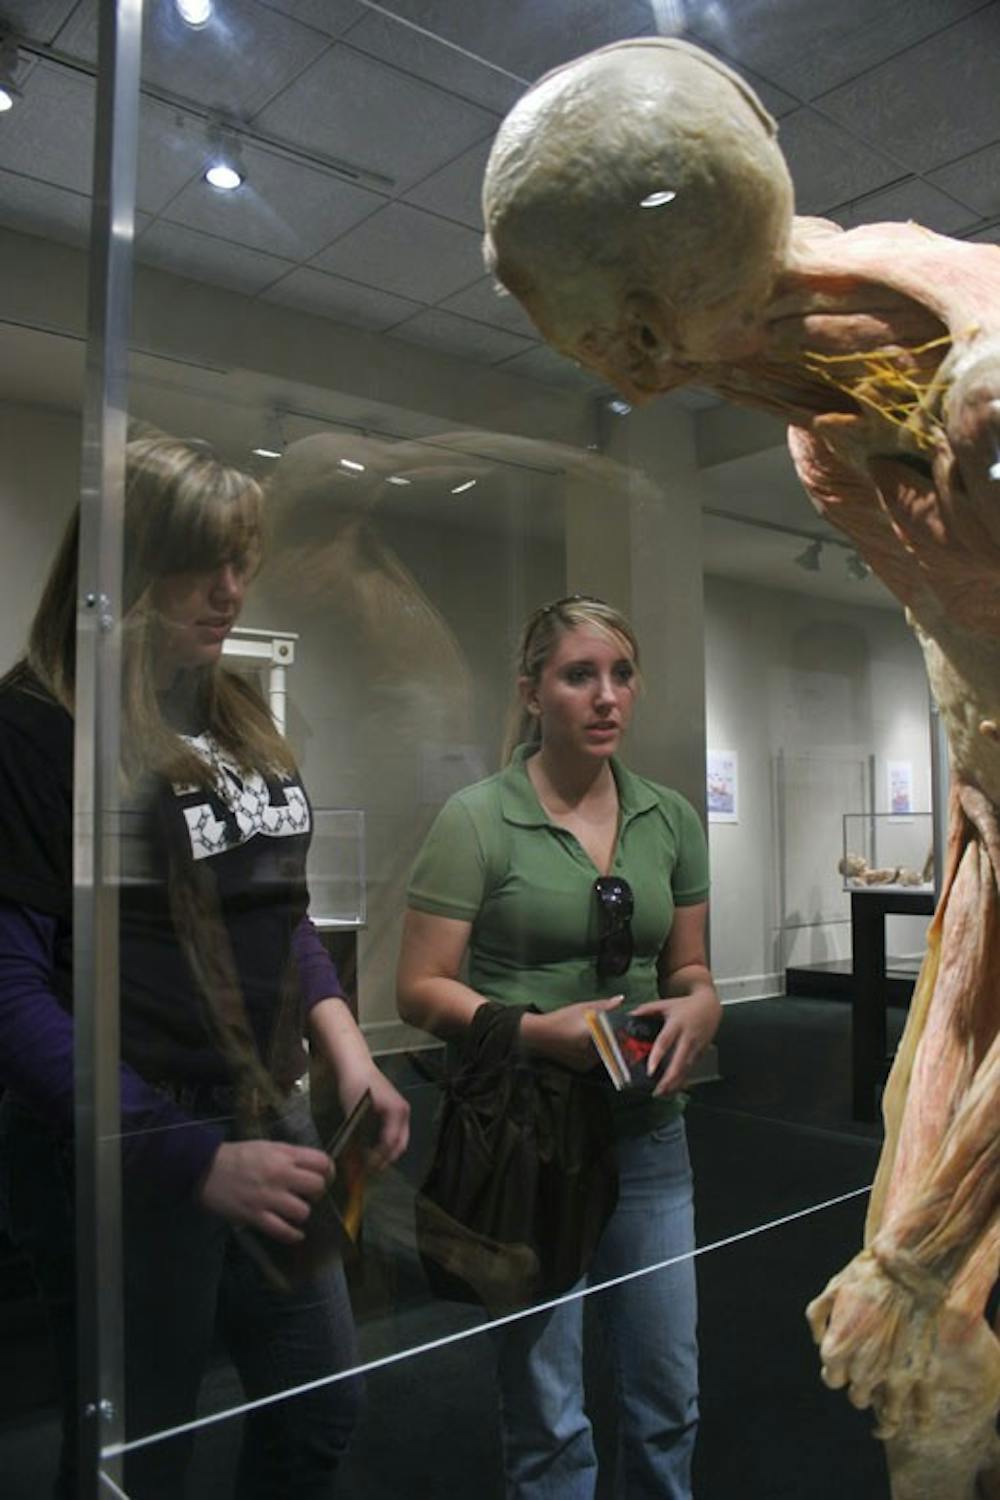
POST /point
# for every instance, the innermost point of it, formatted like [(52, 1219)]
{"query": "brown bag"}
[(523, 1178)]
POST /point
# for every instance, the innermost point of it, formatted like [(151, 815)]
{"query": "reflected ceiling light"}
[(657, 200), (809, 559), (224, 169), (620, 408), (668, 16), (398, 479), (857, 568), (353, 465), (266, 452), (995, 468), (9, 91), (459, 488), (194, 13)]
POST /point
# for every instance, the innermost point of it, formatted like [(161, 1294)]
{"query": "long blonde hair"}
[(183, 511), (542, 632)]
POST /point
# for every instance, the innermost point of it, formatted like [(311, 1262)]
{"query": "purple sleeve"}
[(317, 971), (36, 1060)]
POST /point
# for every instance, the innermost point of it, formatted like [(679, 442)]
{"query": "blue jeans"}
[(186, 1278), (650, 1326)]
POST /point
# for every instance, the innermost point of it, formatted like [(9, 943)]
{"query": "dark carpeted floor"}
[(772, 1144)]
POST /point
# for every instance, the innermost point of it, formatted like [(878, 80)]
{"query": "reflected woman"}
[(573, 884), (221, 976)]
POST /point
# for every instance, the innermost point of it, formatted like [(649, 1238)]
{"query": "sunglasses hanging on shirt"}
[(615, 906)]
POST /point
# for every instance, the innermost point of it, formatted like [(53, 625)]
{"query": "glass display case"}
[(888, 851), (276, 205), (336, 868)]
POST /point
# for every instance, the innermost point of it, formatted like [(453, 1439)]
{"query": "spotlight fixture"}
[(9, 91), (857, 568), (809, 559), (224, 169), (194, 13)]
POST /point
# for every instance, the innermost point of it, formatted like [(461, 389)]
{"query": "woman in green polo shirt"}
[(573, 885)]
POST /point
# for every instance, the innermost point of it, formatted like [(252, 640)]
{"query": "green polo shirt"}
[(493, 858)]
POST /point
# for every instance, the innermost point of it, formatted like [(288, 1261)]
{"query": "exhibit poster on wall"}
[(721, 782), (899, 775)]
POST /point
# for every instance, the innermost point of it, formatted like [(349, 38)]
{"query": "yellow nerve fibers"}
[(889, 382)]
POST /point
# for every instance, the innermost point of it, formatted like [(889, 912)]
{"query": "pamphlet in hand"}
[(348, 1150), (623, 1043), (334, 1221)]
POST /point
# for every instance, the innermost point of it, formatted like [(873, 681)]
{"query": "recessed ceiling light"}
[(194, 13), (223, 176), (459, 488)]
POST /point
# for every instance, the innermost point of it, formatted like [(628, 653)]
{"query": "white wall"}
[(804, 691), (39, 484)]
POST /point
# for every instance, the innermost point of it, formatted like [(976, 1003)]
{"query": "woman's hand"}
[(335, 1034), (391, 1110), (689, 1023), (563, 1035), (268, 1185)]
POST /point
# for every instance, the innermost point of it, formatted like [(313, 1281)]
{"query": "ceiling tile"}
[(453, 335), (284, 207), (202, 257), (436, 61), (975, 179), (828, 165), (456, 190), (524, 36), (406, 251), (551, 368), (351, 106), (486, 304), (39, 208), (172, 149), (50, 136), (209, 65), (343, 301), (911, 199), (332, 16), (808, 48), (933, 103), (36, 20), (50, 133), (990, 235)]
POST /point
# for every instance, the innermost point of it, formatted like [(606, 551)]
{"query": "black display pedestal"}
[(869, 909)]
